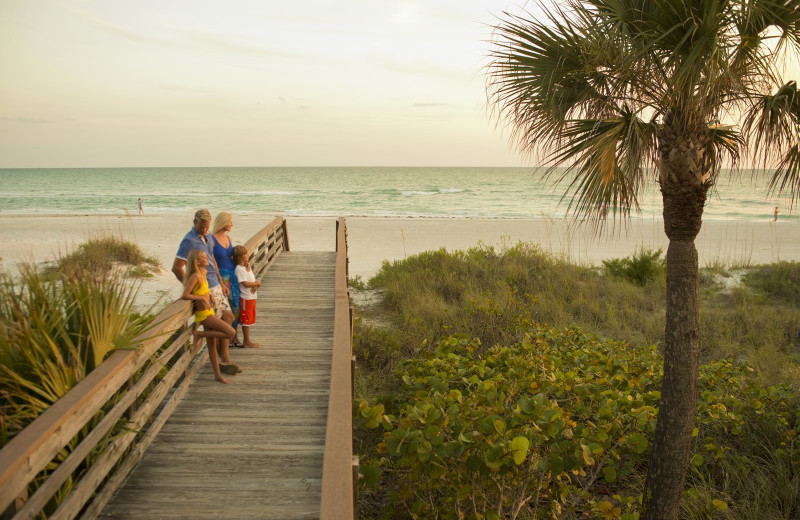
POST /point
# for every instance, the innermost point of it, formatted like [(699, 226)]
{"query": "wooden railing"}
[(339, 466), (140, 386)]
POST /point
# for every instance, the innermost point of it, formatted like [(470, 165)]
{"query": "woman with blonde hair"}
[(223, 254)]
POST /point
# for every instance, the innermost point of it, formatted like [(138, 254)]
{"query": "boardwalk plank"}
[(252, 449)]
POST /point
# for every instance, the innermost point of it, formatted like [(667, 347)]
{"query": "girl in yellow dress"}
[(195, 288)]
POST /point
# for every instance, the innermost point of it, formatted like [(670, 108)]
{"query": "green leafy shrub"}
[(746, 447), (520, 429), (558, 425), (357, 282), (643, 266)]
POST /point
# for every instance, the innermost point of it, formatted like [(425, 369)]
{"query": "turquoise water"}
[(429, 192)]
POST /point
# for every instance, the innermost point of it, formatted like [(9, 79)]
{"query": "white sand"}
[(372, 240)]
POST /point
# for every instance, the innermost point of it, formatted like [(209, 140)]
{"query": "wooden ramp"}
[(253, 448)]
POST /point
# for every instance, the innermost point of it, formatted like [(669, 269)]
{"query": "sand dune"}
[(372, 240)]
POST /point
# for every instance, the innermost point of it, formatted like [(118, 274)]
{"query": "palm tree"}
[(621, 92)]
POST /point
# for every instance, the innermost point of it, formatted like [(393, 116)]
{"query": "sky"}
[(116, 83)]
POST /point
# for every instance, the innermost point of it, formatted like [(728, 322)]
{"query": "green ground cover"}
[(511, 384)]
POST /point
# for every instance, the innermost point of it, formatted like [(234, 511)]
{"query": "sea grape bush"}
[(522, 430), (555, 426)]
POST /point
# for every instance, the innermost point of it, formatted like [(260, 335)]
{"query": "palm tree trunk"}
[(683, 188), (669, 458)]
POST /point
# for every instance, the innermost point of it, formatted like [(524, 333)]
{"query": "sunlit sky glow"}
[(101, 83)]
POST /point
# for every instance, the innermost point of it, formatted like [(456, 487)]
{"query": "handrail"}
[(129, 383), (339, 466)]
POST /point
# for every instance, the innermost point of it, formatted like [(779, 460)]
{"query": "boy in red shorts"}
[(247, 292)]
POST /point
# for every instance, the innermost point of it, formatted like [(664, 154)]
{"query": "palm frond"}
[(544, 73), (725, 142), (772, 123), (590, 82), (608, 159), (787, 174)]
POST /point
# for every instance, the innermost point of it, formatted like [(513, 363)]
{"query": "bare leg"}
[(212, 355), (246, 334), (235, 336), (224, 350), (217, 328)]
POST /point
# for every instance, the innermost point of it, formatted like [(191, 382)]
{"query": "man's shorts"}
[(248, 314), (220, 301)]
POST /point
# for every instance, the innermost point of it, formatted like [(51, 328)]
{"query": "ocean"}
[(340, 191)]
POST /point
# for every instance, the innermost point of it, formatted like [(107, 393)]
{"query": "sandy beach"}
[(371, 240)]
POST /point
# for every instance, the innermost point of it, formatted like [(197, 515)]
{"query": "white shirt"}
[(246, 275)]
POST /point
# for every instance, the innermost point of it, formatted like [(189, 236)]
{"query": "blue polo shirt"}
[(193, 240)]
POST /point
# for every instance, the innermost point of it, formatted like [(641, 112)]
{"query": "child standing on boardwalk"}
[(195, 288), (247, 292)]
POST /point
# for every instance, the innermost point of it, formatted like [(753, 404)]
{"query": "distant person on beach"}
[(195, 288), (247, 288), (776, 214), (223, 256), (199, 238), (141, 211)]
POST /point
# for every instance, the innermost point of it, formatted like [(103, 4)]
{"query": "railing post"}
[(352, 357), (285, 228), (355, 486)]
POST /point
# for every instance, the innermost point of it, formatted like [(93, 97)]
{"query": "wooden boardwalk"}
[(253, 448)]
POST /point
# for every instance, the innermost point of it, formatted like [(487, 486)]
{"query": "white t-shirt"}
[(243, 275)]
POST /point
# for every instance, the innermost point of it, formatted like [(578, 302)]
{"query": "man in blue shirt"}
[(199, 238)]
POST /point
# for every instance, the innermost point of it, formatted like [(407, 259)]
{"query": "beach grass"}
[(101, 254), (752, 314), (750, 326)]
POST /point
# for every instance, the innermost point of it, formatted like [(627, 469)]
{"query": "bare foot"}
[(221, 379), (197, 338), (251, 345)]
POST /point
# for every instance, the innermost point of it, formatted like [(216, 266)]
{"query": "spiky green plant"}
[(55, 329), (641, 267)]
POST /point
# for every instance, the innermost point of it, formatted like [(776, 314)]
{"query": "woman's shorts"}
[(220, 301), (248, 315)]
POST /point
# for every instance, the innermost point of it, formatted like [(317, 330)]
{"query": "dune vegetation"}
[(59, 322), (512, 384)]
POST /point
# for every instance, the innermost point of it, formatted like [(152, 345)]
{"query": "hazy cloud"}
[(429, 105), (192, 90), (416, 66), (25, 120), (116, 30), (216, 42)]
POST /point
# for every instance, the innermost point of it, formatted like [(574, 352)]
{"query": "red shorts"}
[(248, 313)]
